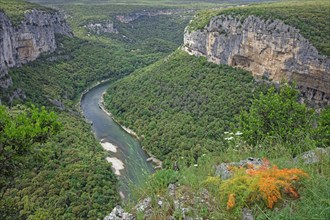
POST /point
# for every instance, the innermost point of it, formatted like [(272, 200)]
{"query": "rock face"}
[(224, 172), (269, 49), (118, 213), (24, 43), (127, 18), (99, 28), (314, 156)]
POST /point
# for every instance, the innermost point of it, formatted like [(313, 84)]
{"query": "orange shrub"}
[(231, 201), (267, 183)]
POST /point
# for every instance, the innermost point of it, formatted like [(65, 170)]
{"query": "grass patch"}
[(15, 9)]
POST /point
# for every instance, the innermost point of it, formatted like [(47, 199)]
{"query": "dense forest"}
[(63, 178), (182, 104)]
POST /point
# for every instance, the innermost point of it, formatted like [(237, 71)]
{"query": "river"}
[(124, 151)]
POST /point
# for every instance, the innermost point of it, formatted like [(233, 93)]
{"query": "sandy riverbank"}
[(117, 164), (152, 158)]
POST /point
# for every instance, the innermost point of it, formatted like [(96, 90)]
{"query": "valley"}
[(195, 86)]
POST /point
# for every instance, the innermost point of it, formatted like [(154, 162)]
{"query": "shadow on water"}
[(123, 149)]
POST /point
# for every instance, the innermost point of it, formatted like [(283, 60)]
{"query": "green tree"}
[(322, 133), (21, 130), (277, 118)]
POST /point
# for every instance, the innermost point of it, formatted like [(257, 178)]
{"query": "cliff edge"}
[(25, 42), (269, 49)]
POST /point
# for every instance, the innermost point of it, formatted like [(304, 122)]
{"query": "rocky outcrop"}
[(100, 28), (269, 49), (127, 18), (314, 156), (223, 170), (25, 42), (118, 213)]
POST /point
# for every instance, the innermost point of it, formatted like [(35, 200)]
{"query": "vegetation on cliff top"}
[(205, 195), (15, 9), (154, 3), (312, 18), (145, 34)]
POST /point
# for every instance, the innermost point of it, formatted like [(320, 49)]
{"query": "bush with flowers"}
[(254, 184)]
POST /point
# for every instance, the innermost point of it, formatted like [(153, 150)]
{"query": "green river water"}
[(122, 148)]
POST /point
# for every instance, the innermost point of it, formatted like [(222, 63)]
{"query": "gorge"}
[(201, 99)]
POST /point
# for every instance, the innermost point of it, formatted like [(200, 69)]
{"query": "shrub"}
[(322, 133), (159, 181), (21, 129), (266, 183), (278, 117)]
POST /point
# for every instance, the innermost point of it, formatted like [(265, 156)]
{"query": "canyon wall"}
[(270, 49), (25, 42)]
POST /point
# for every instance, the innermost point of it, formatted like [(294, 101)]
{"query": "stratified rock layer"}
[(269, 49), (24, 43)]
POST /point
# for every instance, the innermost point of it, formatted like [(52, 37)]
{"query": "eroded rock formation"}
[(100, 28), (127, 18), (269, 49), (25, 42)]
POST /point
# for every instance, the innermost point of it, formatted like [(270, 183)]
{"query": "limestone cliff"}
[(25, 42), (102, 27), (269, 49), (127, 18)]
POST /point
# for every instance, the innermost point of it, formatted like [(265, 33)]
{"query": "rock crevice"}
[(269, 49)]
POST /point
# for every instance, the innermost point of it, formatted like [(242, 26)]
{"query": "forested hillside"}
[(181, 105), (64, 178)]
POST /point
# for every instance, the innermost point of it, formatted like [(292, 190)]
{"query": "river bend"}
[(124, 151)]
